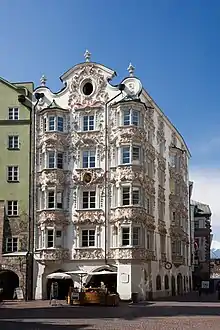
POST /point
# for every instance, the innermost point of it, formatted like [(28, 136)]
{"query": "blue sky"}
[(173, 44)]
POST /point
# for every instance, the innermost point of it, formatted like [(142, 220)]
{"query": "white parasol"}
[(81, 273), (103, 272), (59, 276)]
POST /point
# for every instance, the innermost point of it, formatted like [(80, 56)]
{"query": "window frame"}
[(88, 246), (13, 172), (15, 113), (130, 236), (88, 124), (11, 138), (14, 206), (130, 149), (12, 244), (131, 189), (55, 199), (130, 115), (89, 199), (89, 156)]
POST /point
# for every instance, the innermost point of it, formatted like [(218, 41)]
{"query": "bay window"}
[(130, 155), (130, 195), (50, 238), (53, 123), (131, 117), (130, 236), (88, 160), (54, 200), (55, 159)]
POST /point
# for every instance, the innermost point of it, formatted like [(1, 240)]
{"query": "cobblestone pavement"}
[(166, 315)]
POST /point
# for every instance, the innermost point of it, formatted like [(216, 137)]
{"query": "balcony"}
[(53, 217), (86, 217), (131, 254), (52, 254), (88, 254), (52, 177), (134, 215), (178, 260)]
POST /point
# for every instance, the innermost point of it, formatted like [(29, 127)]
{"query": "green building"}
[(15, 119)]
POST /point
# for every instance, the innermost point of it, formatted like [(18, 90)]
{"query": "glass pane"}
[(126, 196), (91, 123), (51, 123), (85, 123), (135, 118), (127, 117), (136, 153), (126, 155), (135, 196), (60, 124)]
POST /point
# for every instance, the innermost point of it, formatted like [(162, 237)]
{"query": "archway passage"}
[(63, 287), (8, 281), (110, 281), (179, 284), (173, 285)]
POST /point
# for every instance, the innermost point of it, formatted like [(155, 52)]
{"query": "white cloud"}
[(215, 245), (206, 189)]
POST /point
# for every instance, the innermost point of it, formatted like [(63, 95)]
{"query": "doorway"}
[(179, 284), (8, 281), (173, 285)]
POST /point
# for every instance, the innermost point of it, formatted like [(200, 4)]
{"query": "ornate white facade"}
[(111, 185)]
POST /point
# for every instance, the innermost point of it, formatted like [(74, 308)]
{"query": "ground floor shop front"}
[(145, 279)]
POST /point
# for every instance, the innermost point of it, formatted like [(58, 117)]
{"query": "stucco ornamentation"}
[(55, 254), (53, 140), (88, 254), (131, 253), (98, 97), (162, 227), (56, 217), (83, 217), (97, 176), (132, 215), (52, 177)]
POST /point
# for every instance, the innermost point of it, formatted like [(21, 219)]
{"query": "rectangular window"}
[(88, 158), (135, 196), (51, 200), (59, 200), (13, 113), (136, 154), (136, 236), (126, 155), (50, 238), (88, 238), (12, 208), (126, 196), (51, 159), (13, 142), (13, 173), (60, 160), (12, 244), (51, 123), (88, 123), (130, 155), (59, 238), (60, 124), (130, 196), (125, 236), (149, 241), (163, 243), (45, 124), (89, 199), (131, 117)]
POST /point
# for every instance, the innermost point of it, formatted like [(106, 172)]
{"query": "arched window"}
[(158, 282), (166, 282)]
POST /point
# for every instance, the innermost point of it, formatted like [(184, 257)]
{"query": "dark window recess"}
[(88, 88)]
